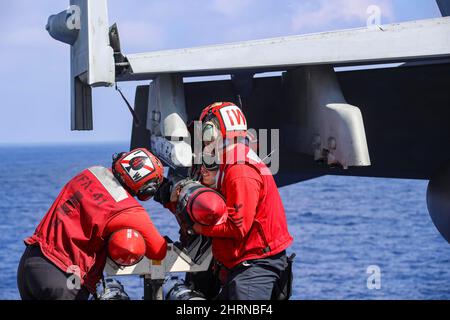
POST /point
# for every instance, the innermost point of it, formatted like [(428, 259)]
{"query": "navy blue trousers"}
[(39, 279), (254, 279)]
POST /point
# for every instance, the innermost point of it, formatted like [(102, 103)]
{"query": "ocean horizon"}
[(343, 227)]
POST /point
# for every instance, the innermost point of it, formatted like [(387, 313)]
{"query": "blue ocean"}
[(341, 226)]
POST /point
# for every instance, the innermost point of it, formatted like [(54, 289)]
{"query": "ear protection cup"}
[(148, 191)]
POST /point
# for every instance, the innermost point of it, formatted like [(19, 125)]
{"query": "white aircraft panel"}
[(399, 41)]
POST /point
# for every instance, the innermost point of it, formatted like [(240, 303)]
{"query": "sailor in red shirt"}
[(96, 212), (250, 245)]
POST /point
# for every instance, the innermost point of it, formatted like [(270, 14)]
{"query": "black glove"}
[(162, 195)]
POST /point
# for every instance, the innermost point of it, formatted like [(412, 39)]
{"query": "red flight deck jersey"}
[(75, 231), (256, 226)]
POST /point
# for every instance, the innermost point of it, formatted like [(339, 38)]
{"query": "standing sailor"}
[(249, 245)]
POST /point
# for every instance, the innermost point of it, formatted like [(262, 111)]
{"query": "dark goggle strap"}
[(149, 189), (117, 156)]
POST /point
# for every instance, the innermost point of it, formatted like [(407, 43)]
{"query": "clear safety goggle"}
[(209, 133)]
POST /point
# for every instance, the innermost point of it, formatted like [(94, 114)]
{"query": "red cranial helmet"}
[(207, 207), (203, 205), (225, 118), (126, 247), (139, 171)]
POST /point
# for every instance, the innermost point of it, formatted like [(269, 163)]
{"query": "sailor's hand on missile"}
[(163, 194), (178, 187), (176, 190)]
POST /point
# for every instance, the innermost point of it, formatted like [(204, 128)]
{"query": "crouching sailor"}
[(96, 210)]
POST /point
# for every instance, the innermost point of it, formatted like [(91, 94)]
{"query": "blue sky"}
[(34, 83)]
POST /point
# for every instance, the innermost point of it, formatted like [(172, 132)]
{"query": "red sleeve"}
[(172, 206), (138, 219), (242, 192)]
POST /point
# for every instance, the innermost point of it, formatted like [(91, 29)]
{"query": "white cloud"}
[(309, 17), (26, 36), (231, 8), (23, 25), (141, 34)]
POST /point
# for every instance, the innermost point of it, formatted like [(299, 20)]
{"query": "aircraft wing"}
[(388, 122), (414, 40)]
